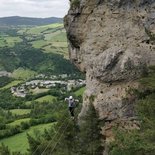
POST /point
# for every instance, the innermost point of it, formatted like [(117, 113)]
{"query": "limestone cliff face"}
[(113, 42)]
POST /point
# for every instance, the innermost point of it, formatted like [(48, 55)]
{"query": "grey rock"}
[(111, 40)]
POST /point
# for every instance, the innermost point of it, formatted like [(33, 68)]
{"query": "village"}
[(39, 85), (43, 83), (5, 73)]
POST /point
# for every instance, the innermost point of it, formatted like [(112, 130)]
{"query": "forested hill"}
[(16, 20)]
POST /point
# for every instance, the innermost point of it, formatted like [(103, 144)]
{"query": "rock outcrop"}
[(113, 42)]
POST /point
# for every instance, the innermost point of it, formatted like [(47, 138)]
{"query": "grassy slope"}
[(23, 74), (47, 98), (2, 42), (39, 43), (40, 29), (49, 38), (38, 90), (53, 38), (9, 41), (80, 91), (19, 142), (20, 111), (12, 40), (13, 83), (18, 122)]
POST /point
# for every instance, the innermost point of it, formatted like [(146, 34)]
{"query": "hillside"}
[(39, 44), (50, 38), (35, 77), (17, 21)]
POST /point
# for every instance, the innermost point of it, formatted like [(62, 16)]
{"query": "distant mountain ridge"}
[(17, 20)]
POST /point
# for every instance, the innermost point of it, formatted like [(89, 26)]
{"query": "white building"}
[(5, 73)]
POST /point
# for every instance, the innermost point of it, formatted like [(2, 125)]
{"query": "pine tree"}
[(90, 134), (34, 145), (4, 150), (67, 138)]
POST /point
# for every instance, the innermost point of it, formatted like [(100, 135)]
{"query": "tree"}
[(90, 133), (4, 150), (34, 145)]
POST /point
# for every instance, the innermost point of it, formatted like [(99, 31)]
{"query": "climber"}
[(71, 104)]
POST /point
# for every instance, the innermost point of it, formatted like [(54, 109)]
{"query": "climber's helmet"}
[(70, 97)]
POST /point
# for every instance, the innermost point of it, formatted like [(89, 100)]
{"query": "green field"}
[(49, 35), (2, 42), (38, 90), (49, 38), (55, 46), (19, 142), (47, 98), (59, 44), (23, 74), (13, 83), (22, 31), (80, 91), (60, 37), (39, 43), (18, 122), (41, 29), (20, 111), (61, 50), (9, 41), (12, 40)]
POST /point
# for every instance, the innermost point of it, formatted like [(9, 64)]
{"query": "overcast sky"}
[(34, 8)]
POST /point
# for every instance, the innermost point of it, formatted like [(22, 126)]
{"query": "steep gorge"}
[(113, 42)]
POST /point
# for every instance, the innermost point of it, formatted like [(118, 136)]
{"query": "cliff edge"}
[(113, 42)]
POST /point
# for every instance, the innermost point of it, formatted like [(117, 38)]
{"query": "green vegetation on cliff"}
[(75, 3), (68, 138), (142, 141)]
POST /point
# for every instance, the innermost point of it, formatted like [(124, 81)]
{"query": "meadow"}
[(19, 112), (9, 41), (80, 91), (18, 122), (47, 98), (19, 142), (41, 29), (23, 74), (11, 84)]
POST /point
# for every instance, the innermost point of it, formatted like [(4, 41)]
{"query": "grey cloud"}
[(39, 1), (34, 8)]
